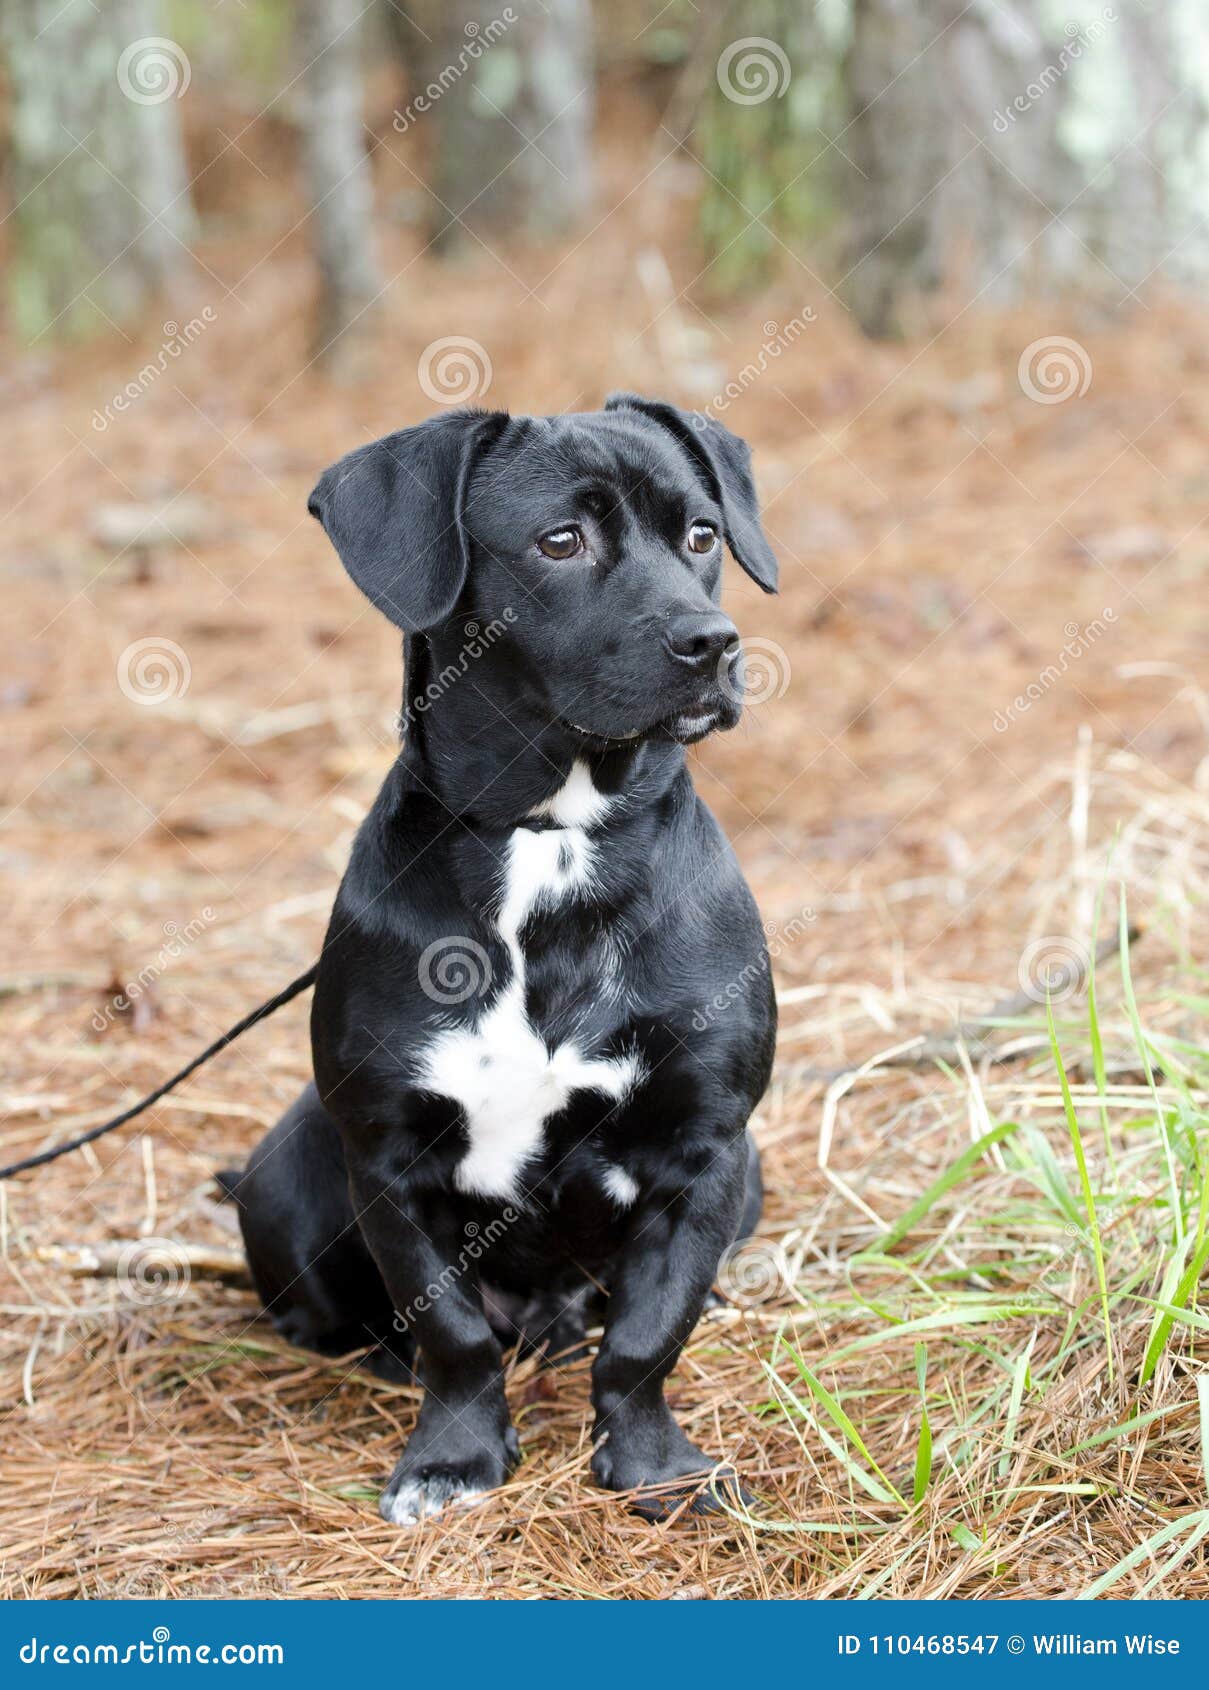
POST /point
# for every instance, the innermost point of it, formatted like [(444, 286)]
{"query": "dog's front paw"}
[(410, 1498), (422, 1486), (666, 1473)]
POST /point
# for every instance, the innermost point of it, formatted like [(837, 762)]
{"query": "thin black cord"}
[(232, 1033)]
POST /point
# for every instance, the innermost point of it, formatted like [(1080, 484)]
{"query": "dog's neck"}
[(492, 757)]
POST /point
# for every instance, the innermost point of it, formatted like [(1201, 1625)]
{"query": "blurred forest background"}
[(994, 150), (942, 262)]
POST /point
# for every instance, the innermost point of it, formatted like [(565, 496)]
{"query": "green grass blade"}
[(1051, 1178), (1185, 1549), (1172, 1311), (1099, 1069), (1019, 1379), (1134, 1424), (1135, 1021), (939, 1321), (1076, 1138), (952, 1176), (923, 1450), (832, 1407), (1143, 1551)]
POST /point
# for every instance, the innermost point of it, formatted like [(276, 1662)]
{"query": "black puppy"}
[(514, 1109)]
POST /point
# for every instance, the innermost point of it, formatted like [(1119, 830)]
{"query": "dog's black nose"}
[(699, 638)]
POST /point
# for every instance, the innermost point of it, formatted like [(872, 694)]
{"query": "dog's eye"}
[(561, 543), (701, 537)]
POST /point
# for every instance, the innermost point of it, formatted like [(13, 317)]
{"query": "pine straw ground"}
[(941, 534)]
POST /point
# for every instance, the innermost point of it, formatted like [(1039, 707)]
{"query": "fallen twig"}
[(147, 1258)]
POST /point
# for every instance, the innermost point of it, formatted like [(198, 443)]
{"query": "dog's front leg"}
[(662, 1276), (463, 1443)]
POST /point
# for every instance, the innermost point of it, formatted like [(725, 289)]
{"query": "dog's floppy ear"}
[(726, 463), (393, 510)]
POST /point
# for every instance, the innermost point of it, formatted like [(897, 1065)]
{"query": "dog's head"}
[(593, 543)]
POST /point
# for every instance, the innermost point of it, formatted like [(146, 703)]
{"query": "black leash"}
[(232, 1033)]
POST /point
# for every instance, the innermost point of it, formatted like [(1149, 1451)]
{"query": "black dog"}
[(513, 1112)]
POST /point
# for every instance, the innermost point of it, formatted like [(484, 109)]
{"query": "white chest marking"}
[(500, 1070), (621, 1187)]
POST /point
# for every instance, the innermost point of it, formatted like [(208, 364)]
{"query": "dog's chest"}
[(508, 1078)]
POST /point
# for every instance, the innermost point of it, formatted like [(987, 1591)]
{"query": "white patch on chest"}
[(621, 1187), (500, 1070)]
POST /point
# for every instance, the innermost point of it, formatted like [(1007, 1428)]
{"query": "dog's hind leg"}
[(318, 1282), (749, 1219), (553, 1323), (753, 1193)]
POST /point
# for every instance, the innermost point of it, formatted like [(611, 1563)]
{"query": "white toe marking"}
[(414, 1502)]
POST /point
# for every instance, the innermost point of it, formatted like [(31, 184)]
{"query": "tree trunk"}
[(101, 209), (971, 174), (763, 87), (512, 107), (339, 183), (933, 206)]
